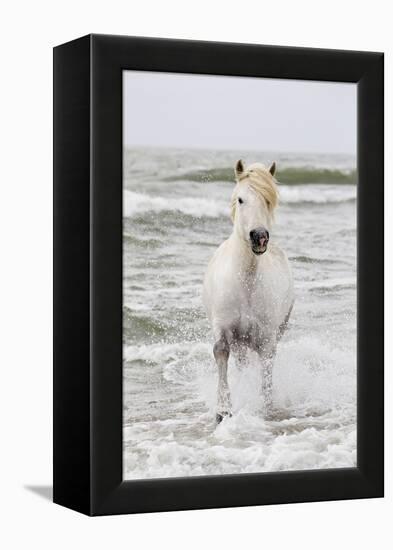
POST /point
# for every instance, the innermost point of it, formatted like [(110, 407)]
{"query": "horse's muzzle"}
[(259, 239)]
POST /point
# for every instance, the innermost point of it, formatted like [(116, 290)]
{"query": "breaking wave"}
[(135, 204), (139, 203), (290, 175)]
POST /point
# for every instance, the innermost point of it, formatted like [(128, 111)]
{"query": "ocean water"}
[(175, 214)]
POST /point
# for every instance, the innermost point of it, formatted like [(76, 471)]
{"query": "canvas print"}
[(239, 275)]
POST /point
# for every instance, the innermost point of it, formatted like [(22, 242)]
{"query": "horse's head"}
[(253, 202)]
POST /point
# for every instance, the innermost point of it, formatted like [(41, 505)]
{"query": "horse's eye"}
[(240, 200)]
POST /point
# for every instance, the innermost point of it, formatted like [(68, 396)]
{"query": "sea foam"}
[(313, 427)]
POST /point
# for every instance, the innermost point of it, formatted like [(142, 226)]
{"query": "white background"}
[(28, 32)]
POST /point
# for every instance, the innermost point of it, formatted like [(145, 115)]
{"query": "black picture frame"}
[(88, 274)]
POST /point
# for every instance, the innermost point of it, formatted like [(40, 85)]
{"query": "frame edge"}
[(71, 275)]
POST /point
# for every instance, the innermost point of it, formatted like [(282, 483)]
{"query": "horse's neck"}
[(246, 261)]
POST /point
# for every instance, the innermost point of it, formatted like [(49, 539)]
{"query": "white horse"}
[(248, 287)]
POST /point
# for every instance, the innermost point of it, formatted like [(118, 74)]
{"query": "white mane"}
[(260, 180)]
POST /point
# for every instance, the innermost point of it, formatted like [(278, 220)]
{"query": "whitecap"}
[(317, 194), (139, 203)]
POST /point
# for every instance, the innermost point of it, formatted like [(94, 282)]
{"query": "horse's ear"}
[(272, 168), (239, 168)]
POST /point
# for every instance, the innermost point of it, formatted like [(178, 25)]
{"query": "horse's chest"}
[(255, 297), (255, 310)]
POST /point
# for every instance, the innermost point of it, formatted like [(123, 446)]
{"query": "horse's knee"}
[(221, 349)]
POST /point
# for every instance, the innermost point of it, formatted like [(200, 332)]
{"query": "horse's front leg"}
[(266, 354), (221, 354), (240, 353)]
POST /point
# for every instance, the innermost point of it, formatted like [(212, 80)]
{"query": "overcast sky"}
[(220, 112)]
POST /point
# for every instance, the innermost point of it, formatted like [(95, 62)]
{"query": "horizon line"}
[(247, 150)]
